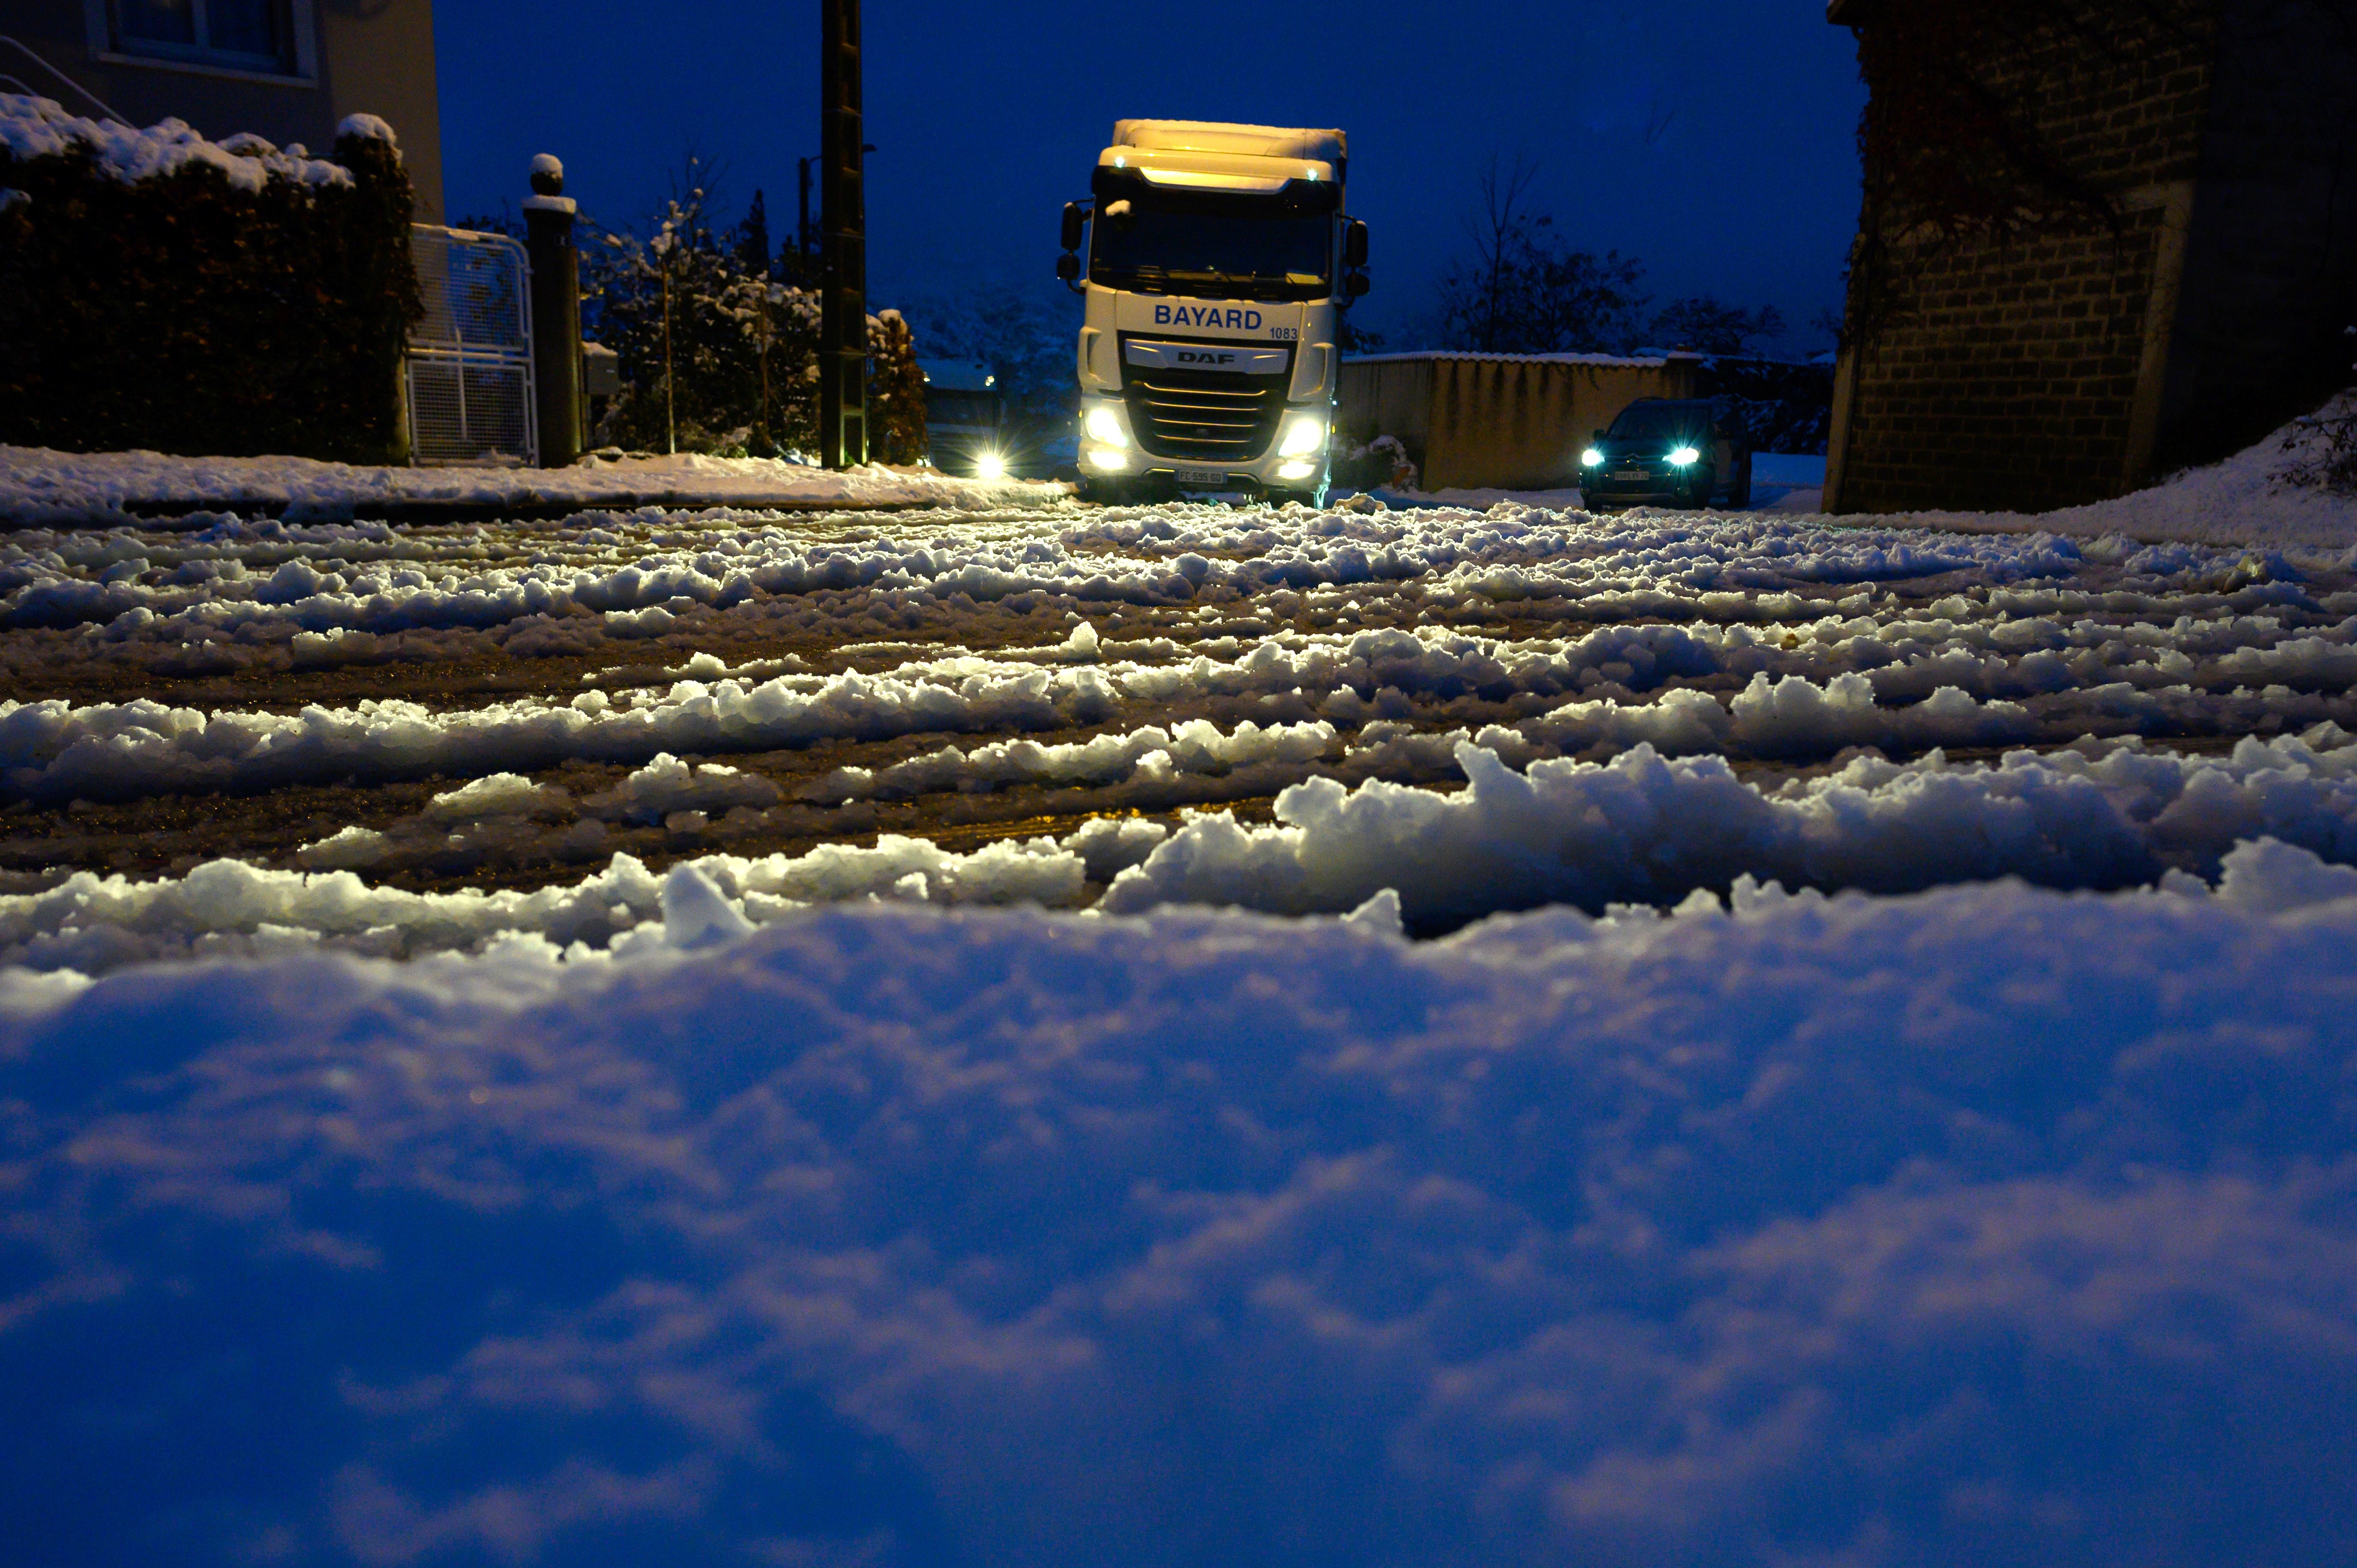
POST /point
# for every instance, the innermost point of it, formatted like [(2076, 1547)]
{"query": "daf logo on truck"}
[(1235, 239)]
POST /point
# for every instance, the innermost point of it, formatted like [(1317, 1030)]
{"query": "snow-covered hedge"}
[(160, 291)]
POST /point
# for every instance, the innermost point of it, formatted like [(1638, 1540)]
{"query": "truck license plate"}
[(1203, 477)]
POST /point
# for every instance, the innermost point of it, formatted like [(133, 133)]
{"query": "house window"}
[(244, 34)]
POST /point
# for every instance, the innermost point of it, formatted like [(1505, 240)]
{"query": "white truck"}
[(1220, 260)]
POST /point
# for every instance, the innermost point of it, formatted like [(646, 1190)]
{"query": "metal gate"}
[(467, 371)]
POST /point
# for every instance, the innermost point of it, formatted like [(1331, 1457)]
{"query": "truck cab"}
[(1217, 260)]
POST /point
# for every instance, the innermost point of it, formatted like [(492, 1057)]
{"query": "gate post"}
[(556, 314), (842, 243)]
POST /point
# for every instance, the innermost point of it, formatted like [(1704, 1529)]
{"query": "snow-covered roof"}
[(1251, 141), (34, 127)]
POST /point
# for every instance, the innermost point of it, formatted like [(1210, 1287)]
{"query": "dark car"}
[(1666, 452)]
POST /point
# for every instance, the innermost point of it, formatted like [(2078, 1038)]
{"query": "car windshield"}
[(1641, 422), (944, 406), (1198, 250)]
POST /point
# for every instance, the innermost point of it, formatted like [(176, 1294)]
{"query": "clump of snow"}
[(495, 795), (370, 128), (666, 784)]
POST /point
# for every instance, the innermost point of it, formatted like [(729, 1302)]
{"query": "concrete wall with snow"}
[(1496, 421)]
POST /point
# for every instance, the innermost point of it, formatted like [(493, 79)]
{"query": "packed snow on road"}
[(1041, 1034)]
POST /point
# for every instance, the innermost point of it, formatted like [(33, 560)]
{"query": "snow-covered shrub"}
[(2325, 446), (160, 291), (716, 337)]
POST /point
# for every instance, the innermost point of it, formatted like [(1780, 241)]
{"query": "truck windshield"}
[(1215, 254)]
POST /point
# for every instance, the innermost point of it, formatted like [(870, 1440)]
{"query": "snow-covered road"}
[(1641, 705), (896, 1038)]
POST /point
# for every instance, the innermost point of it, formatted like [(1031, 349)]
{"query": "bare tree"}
[(1703, 322), (1522, 289), (1494, 230)]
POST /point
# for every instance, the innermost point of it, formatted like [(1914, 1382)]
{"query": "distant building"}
[(2101, 240), (286, 69)]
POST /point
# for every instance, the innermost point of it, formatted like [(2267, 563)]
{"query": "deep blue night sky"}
[(987, 118)]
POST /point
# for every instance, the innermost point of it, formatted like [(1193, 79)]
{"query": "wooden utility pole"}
[(842, 243)]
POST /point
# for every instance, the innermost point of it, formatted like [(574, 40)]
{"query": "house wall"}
[(373, 57), (1498, 423), (2031, 375)]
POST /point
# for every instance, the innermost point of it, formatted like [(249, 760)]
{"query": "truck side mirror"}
[(1067, 266), (1355, 284), (1073, 218), (1354, 244)]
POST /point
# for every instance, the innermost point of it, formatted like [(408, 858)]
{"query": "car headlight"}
[(1296, 470), (1591, 458), (1104, 425), (1303, 435), (1684, 456), (990, 466), (1104, 459)]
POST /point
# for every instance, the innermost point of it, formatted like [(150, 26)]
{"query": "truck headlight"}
[(1303, 435), (1591, 458), (1685, 457), (1104, 425)]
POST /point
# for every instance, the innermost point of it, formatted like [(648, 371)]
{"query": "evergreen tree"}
[(752, 237), (896, 405)]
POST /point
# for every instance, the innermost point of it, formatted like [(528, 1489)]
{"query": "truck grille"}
[(1203, 417)]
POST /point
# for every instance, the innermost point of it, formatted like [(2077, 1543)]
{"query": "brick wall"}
[(2008, 373), (2009, 383)]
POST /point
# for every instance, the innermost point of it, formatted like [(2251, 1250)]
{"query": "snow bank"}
[(2244, 499), (1986, 1224), (38, 484), (1640, 829)]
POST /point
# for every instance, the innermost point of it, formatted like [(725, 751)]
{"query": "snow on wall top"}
[(1643, 360), (1210, 137), (32, 127)]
